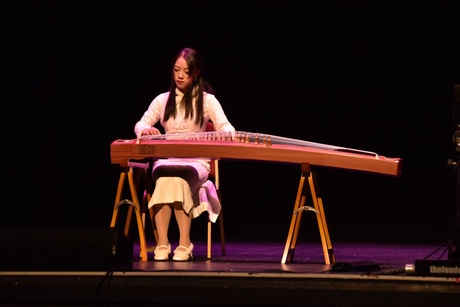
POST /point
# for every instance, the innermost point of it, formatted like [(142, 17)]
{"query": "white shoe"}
[(162, 252), (182, 253)]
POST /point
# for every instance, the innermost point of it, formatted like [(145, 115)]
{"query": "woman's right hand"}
[(150, 131)]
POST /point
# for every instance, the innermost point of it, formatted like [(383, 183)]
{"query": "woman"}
[(186, 107)]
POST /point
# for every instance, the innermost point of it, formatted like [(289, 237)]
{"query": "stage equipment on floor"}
[(454, 243), (437, 268), (451, 266)]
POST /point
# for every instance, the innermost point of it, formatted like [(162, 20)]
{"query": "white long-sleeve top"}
[(212, 110)]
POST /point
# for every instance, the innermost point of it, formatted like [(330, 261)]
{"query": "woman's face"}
[(181, 75)]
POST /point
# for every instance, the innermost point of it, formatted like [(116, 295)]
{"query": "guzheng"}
[(242, 145)]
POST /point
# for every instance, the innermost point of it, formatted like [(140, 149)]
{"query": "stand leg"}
[(140, 225), (321, 217), (121, 183), (222, 234), (291, 240), (299, 205)]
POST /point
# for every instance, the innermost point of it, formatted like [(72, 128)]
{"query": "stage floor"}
[(249, 274), (250, 257)]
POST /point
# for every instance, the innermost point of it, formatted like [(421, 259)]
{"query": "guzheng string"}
[(253, 138)]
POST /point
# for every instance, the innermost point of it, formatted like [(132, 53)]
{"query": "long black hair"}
[(199, 86)]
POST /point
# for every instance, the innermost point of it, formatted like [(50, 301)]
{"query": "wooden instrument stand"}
[(134, 183), (135, 177), (299, 207)]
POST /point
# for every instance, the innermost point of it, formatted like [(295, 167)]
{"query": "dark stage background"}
[(375, 76)]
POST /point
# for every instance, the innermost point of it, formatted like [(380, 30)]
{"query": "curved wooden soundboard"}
[(123, 150)]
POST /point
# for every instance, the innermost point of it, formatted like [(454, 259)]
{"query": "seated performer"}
[(186, 107)]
